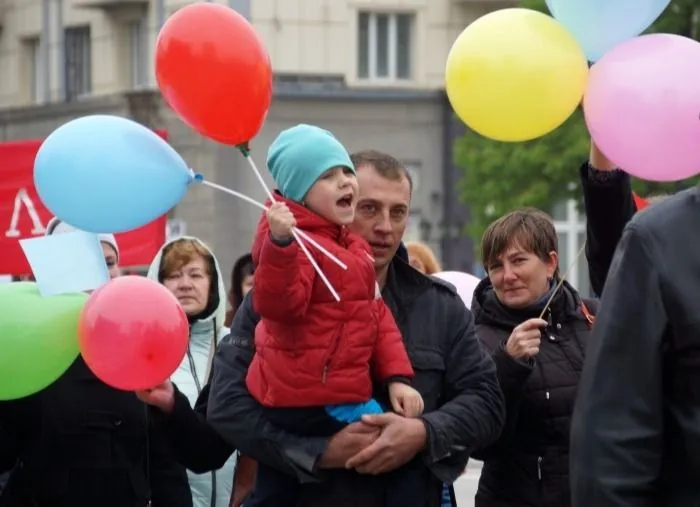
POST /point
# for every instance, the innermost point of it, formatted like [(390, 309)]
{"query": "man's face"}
[(382, 212)]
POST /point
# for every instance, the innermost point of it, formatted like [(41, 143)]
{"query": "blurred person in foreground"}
[(538, 359), (635, 436), (188, 268), (81, 443)]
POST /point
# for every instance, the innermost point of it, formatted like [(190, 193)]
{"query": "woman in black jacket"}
[(539, 360)]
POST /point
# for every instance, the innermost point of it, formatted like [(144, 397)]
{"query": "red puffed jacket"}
[(311, 350)]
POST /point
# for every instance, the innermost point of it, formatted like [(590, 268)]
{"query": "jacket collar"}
[(404, 283)]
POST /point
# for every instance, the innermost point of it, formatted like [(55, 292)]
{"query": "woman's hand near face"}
[(524, 341)]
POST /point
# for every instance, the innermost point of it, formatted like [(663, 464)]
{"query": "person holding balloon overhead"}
[(610, 204), (82, 443), (189, 269)]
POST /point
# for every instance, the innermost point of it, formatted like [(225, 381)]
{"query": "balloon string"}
[(260, 205), (563, 277), (295, 233)]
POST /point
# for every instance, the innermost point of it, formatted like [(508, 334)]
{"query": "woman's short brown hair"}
[(181, 252), (531, 229)]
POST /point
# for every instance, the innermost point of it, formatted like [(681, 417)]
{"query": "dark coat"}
[(529, 465), (81, 443)]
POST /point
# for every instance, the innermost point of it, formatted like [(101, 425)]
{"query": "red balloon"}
[(214, 71), (133, 333)]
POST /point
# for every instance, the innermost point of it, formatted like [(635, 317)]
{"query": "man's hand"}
[(162, 396), (347, 443), (400, 440)]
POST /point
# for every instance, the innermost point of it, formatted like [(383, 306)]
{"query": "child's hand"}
[(281, 221), (405, 400)]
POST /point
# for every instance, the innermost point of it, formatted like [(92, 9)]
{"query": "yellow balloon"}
[(515, 75)]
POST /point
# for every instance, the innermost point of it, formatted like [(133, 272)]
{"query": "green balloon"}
[(38, 338)]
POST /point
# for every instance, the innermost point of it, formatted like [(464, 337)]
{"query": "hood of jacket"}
[(214, 314), (488, 310)]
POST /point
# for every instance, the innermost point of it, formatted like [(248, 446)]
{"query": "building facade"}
[(371, 71)]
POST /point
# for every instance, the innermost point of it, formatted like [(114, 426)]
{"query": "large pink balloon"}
[(642, 106)]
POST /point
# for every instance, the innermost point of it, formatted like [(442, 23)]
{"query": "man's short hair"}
[(387, 166)]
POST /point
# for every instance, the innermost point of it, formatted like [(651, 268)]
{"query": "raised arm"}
[(609, 204), (284, 279), (617, 425)]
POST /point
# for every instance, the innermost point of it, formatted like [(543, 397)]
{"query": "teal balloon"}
[(108, 174), (600, 25), (38, 338)]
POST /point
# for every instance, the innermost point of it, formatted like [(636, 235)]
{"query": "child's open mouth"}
[(345, 201)]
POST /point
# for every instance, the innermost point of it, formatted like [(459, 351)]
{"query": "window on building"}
[(384, 46), (78, 62), (571, 233), (35, 65), (138, 48)]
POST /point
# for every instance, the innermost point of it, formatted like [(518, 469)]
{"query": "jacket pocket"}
[(429, 367)]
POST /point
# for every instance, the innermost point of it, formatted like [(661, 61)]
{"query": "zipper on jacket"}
[(193, 369), (539, 468), (334, 349)]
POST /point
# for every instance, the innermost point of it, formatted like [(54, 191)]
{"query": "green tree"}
[(499, 177)]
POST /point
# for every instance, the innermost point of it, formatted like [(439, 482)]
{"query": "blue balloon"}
[(108, 174), (600, 25)]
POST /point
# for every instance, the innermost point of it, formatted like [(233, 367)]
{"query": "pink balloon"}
[(642, 106)]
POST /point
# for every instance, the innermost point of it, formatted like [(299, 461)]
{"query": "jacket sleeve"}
[(203, 450), (168, 478), (617, 425), (473, 413), (241, 420), (609, 206), (390, 356), (284, 280)]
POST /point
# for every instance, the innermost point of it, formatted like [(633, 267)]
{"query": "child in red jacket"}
[(316, 358)]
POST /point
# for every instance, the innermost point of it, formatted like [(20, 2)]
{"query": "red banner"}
[(23, 215)]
